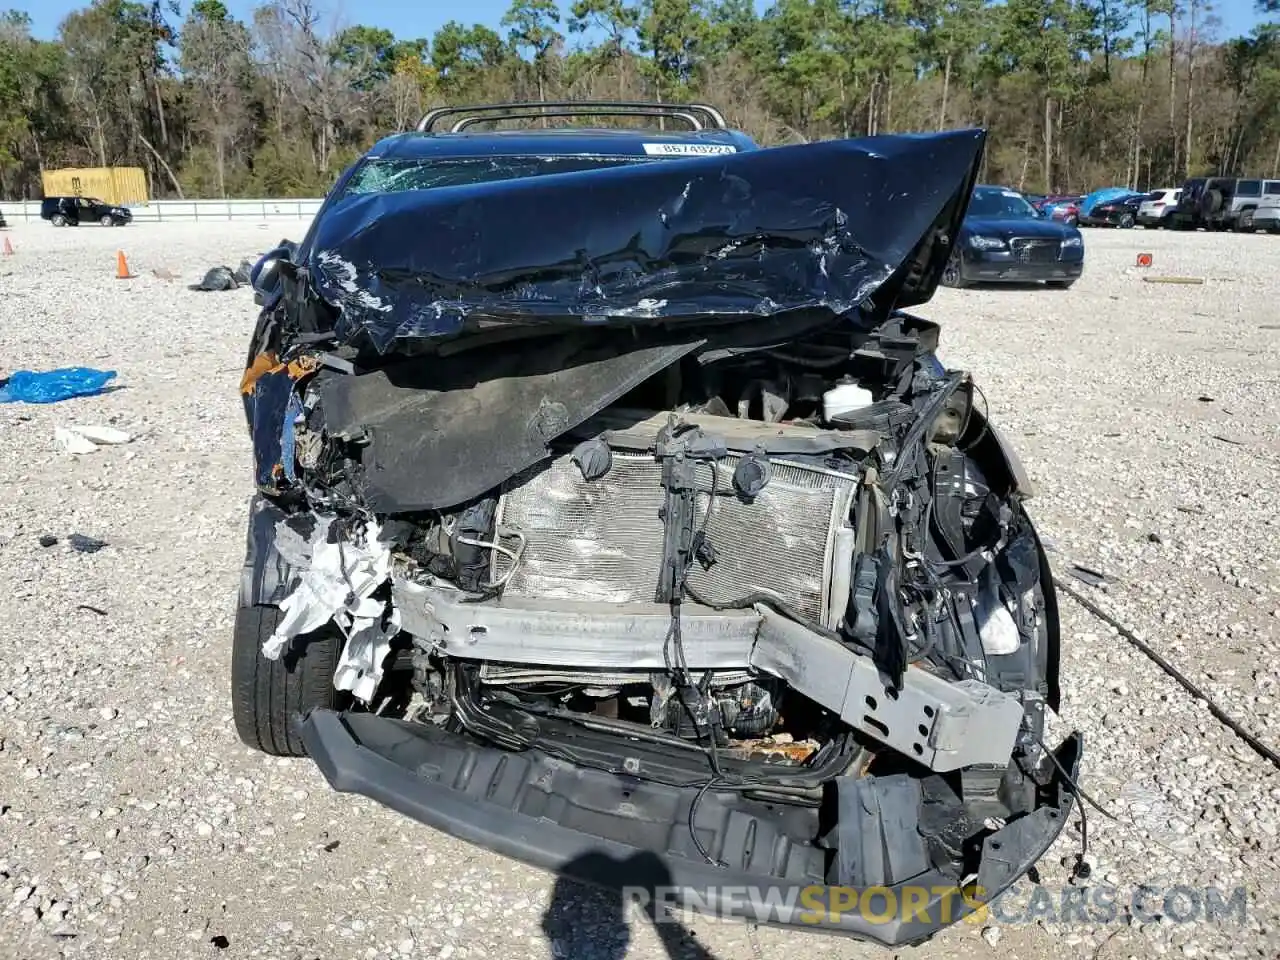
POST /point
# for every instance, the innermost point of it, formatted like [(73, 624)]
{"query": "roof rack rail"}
[(693, 122), (697, 115)]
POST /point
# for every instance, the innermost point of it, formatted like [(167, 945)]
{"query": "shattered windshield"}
[(396, 176), (1001, 205)]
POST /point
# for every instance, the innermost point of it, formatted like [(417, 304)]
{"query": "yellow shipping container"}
[(118, 185)]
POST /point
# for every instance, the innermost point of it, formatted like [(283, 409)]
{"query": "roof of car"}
[(562, 141)]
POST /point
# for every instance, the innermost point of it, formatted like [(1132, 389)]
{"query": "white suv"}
[(1157, 210)]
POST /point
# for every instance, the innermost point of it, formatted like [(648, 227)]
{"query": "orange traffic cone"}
[(122, 267), (8, 247)]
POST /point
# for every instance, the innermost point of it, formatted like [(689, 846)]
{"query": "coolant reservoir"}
[(842, 399)]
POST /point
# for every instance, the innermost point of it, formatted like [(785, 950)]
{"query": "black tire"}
[(1126, 221), (1244, 222), (953, 274), (106, 220), (266, 694), (58, 220), (1060, 284)]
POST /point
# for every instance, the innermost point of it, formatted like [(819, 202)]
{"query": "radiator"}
[(601, 540)]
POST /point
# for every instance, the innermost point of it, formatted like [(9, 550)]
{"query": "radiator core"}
[(601, 540)]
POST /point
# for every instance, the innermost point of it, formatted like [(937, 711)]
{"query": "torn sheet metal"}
[(271, 404), (441, 432), (830, 225), (340, 577)]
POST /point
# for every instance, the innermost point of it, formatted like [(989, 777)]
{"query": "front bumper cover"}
[(992, 270), (622, 833)]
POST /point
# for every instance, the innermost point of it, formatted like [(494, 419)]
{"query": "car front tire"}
[(1126, 221), (1060, 284), (58, 220), (267, 694), (105, 220)]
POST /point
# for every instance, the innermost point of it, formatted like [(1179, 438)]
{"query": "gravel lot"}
[(134, 824)]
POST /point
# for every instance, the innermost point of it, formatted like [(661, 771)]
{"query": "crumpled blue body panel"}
[(759, 233)]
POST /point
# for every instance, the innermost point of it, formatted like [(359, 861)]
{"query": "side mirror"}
[(265, 275)]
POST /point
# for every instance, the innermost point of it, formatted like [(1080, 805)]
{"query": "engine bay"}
[(692, 563)]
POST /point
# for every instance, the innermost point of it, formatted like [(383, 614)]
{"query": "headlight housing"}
[(986, 243), (1072, 242)]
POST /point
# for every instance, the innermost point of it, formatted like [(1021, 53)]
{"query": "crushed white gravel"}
[(134, 824)]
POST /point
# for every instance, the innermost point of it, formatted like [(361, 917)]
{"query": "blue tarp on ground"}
[(50, 386)]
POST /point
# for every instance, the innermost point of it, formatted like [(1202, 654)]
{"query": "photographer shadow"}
[(587, 916)]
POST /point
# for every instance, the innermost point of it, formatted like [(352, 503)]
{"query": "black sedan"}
[(1119, 212), (1004, 238)]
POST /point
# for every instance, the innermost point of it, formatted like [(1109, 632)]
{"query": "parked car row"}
[(1065, 208), (1245, 204), (1215, 203)]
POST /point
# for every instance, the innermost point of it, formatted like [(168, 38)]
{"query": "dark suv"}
[(613, 513), (1223, 203), (73, 211)]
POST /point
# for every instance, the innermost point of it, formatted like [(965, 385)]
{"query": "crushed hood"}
[(832, 226)]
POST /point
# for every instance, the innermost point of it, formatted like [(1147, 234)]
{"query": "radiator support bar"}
[(940, 724)]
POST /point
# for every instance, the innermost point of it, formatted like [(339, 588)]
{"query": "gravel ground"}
[(134, 824)]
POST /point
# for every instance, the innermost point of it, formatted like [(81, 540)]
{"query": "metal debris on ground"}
[(82, 544), (88, 439), (1093, 578)]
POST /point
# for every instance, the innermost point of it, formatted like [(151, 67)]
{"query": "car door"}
[(1248, 194)]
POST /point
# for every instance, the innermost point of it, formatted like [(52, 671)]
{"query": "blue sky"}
[(414, 18)]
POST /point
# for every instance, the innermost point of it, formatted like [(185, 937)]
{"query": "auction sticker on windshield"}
[(688, 149)]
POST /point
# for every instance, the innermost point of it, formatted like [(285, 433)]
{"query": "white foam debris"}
[(338, 584)]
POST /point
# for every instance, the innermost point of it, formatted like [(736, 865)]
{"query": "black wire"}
[(1082, 869), (682, 664), (923, 422), (1221, 715), (693, 834), (986, 419)]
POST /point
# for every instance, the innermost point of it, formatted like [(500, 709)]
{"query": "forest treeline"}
[(1075, 93)]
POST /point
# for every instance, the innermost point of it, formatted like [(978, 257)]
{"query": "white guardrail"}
[(164, 211)]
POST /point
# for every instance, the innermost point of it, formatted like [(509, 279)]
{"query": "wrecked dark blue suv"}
[(613, 513)]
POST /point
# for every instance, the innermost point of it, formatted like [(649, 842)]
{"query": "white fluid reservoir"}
[(844, 398)]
